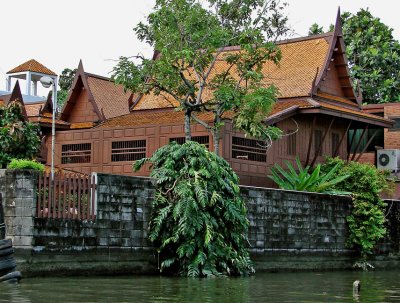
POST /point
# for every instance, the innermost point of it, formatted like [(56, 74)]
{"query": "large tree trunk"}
[(188, 135)]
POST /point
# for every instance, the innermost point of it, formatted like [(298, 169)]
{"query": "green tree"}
[(190, 36), (315, 29), (18, 138), (374, 56), (65, 83), (198, 222)]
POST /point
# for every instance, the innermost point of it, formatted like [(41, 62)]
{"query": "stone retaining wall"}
[(288, 230)]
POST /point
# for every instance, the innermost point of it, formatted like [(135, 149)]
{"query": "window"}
[(199, 139), (76, 153), (317, 141), (291, 142), (248, 149), (335, 142), (128, 150), (396, 125), (378, 140)]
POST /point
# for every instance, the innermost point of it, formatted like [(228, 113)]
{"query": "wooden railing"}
[(71, 196)]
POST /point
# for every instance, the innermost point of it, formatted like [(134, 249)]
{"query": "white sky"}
[(60, 33)]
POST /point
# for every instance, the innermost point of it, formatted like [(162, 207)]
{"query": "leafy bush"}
[(198, 222), (25, 164), (304, 180), (366, 223), (18, 138)]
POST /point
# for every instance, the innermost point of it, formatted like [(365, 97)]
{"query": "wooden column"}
[(322, 143), (311, 139), (341, 140), (359, 142), (366, 145), (350, 144)]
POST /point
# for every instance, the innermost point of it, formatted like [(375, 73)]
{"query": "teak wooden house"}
[(317, 107)]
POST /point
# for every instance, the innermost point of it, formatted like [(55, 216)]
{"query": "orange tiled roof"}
[(152, 117), (47, 120), (283, 105), (336, 98), (293, 76), (32, 66), (109, 97), (81, 125), (33, 109), (352, 111)]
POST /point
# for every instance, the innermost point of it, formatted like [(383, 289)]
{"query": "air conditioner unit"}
[(388, 159)]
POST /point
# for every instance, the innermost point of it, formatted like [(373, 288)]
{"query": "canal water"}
[(376, 286)]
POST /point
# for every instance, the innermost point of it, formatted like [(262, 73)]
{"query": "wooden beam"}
[(350, 145), (311, 137), (341, 140), (322, 142), (359, 143), (366, 145)]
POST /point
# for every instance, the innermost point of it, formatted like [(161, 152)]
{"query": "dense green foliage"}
[(366, 223), (65, 83), (303, 179), (373, 54), (18, 138), (190, 35), (25, 164), (198, 222)]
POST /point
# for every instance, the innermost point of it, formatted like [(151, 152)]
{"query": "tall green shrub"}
[(366, 223), (198, 222)]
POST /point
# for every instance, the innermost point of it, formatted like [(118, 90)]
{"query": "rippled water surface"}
[(376, 286)]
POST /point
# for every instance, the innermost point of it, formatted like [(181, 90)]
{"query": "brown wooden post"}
[(64, 203), (351, 144), (359, 143), (311, 139), (79, 192), (45, 199), (341, 140), (366, 145), (40, 196), (322, 142)]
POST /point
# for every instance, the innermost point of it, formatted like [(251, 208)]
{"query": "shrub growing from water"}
[(198, 222)]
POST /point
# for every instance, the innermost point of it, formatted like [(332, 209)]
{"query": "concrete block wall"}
[(121, 222), (18, 189), (289, 220)]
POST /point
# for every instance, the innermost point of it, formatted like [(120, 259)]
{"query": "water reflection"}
[(279, 287)]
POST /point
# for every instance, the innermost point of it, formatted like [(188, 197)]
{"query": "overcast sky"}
[(60, 33)]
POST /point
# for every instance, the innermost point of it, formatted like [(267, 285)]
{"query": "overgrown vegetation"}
[(193, 72), (305, 179), (366, 223), (198, 222), (18, 138), (25, 164), (363, 181)]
